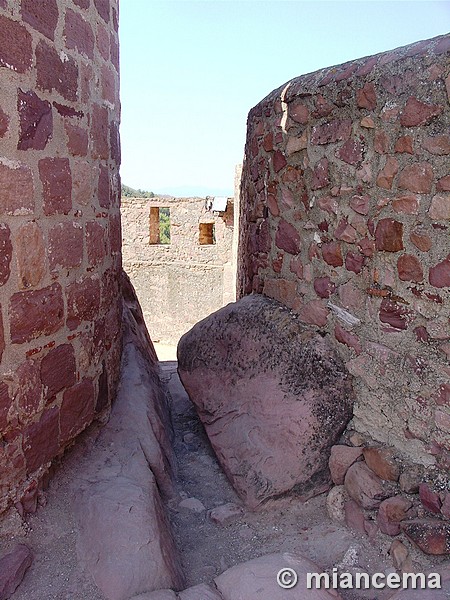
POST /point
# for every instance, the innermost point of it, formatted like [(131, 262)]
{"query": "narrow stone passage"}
[(207, 548)]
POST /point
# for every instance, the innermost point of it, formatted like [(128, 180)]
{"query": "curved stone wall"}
[(60, 257), (345, 214)]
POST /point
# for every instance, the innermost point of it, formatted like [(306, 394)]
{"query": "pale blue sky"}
[(191, 71)]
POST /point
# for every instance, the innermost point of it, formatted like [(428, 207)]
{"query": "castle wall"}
[(60, 257), (345, 208), (182, 282)]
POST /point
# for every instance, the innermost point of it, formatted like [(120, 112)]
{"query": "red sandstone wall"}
[(60, 236), (345, 219)]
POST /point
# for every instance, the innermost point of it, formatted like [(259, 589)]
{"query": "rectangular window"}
[(159, 225), (207, 234)]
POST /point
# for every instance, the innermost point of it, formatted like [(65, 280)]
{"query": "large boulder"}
[(272, 394)]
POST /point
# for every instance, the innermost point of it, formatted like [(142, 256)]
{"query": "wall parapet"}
[(345, 210)]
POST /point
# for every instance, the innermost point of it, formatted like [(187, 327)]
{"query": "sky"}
[(192, 70)]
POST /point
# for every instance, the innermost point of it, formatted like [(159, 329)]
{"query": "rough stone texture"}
[(341, 458), (371, 209), (186, 280), (264, 386), (391, 512), (125, 542), (226, 513), (257, 579), (382, 462), (48, 181), (364, 486), (430, 535), (13, 567)]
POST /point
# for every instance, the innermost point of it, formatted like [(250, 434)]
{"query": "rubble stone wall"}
[(182, 282), (60, 256), (345, 208)]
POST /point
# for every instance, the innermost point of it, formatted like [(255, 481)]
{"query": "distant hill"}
[(128, 192)]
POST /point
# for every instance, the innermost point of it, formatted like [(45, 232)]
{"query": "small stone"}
[(341, 458), (364, 486), (366, 97), (437, 144), (410, 479), (35, 121), (336, 499), (417, 178), (367, 122), (389, 235), (287, 237), (432, 536), (440, 207), (439, 275), (192, 504), (320, 175), (354, 516), (409, 268), (418, 113), (421, 241), (360, 204), (400, 556), (391, 512), (404, 144), (407, 205), (357, 439), (332, 254), (351, 152), (382, 462), (226, 514), (430, 500), (324, 287), (386, 176), (13, 567), (279, 161)]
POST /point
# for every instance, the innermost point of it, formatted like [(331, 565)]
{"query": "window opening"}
[(207, 234), (159, 225)]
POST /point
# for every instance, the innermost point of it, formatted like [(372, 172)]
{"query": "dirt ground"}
[(206, 549)]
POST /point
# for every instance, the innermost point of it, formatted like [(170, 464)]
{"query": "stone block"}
[(13, 567), (35, 121), (16, 51), (6, 250), (42, 15), (56, 181), (58, 370), (77, 410), (363, 486), (341, 458), (36, 313), (30, 255), (65, 250), (79, 34)]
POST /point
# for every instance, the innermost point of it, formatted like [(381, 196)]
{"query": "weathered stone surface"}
[(366, 97), (320, 175), (341, 458), (440, 207), (351, 152), (40, 444), (252, 370), (55, 72), (13, 567), (430, 499), (79, 34), (83, 301), (439, 275), (257, 578), (389, 235), (364, 486), (35, 121), (421, 241), (16, 51), (58, 370), (360, 204), (386, 175), (418, 113), (77, 409), (193, 504), (226, 513), (391, 512), (158, 595), (400, 556), (432, 536), (99, 132), (330, 132), (6, 250), (287, 237), (354, 516), (407, 204), (404, 144), (437, 144), (416, 178), (409, 268), (354, 261), (65, 246), (382, 462), (30, 254), (332, 254), (324, 287), (42, 15), (336, 499), (56, 180), (125, 542), (95, 242), (102, 7), (200, 592), (36, 313)]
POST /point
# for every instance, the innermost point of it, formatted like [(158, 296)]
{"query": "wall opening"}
[(206, 234), (159, 225)]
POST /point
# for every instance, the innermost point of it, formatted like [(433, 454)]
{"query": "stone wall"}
[(60, 306), (184, 280), (345, 212)]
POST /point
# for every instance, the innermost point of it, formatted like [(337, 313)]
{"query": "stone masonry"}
[(60, 257), (185, 280), (345, 212)]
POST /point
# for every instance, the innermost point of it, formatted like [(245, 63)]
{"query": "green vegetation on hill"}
[(128, 192), (164, 225)]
